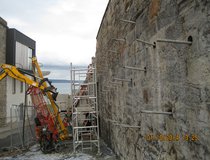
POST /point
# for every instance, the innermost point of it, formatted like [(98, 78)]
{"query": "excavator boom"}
[(12, 71), (47, 114), (2, 75)]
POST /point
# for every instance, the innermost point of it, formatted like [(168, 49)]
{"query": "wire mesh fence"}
[(22, 130)]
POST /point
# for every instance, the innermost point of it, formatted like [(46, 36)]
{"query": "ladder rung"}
[(85, 127), (90, 141), (80, 97), (86, 134)]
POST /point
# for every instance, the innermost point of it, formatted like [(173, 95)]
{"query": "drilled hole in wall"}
[(190, 39), (169, 110), (169, 107), (154, 45), (145, 71)]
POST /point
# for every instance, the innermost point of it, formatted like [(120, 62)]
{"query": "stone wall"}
[(177, 79), (3, 30), (64, 101)]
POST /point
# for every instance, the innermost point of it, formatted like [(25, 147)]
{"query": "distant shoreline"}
[(62, 81)]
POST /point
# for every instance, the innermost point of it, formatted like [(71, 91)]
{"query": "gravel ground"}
[(34, 153)]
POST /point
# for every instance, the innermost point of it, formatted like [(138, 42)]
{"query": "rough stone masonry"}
[(3, 30), (173, 78)]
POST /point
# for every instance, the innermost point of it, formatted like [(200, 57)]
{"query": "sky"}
[(64, 30)]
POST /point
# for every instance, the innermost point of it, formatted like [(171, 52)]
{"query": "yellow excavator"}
[(50, 128)]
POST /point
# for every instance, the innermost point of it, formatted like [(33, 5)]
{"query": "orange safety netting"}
[(43, 114)]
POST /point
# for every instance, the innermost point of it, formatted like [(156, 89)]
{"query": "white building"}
[(16, 49), (20, 50)]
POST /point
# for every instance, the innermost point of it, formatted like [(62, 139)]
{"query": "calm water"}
[(60, 73), (63, 88)]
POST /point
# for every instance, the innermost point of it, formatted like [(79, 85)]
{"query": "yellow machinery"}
[(48, 115)]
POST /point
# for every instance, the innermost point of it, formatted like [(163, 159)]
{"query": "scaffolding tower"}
[(85, 123)]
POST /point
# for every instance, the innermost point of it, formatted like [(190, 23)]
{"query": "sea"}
[(63, 88), (60, 77)]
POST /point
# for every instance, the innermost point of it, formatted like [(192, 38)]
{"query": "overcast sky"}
[(64, 30)]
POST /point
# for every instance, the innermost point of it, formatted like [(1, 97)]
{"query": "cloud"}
[(16, 22), (64, 30), (62, 7)]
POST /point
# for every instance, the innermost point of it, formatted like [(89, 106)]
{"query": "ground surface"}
[(34, 153)]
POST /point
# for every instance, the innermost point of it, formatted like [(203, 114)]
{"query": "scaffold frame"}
[(85, 121)]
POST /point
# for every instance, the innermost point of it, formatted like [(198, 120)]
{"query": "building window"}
[(13, 86), (29, 59), (23, 56), (21, 87)]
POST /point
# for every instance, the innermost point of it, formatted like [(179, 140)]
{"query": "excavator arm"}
[(41, 83), (2, 75), (12, 71)]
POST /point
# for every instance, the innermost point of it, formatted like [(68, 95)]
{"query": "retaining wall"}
[(177, 79)]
